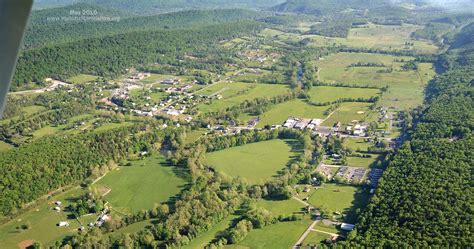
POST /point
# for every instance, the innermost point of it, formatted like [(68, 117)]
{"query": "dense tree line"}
[(54, 162), (425, 196), (110, 56), (44, 29)]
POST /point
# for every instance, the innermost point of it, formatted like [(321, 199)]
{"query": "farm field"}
[(255, 162), (323, 94), (281, 207), (235, 94), (389, 37), (293, 108), (348, 112), (279, 235), (141, 185), (82, 78), (384, 37), (339, 198), (405, 87), (43, 222)]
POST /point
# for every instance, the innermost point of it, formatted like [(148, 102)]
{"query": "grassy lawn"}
[(363, 162), (293, 108), (255, 162), (82, 78), (133, 228), (4, 146), (357, 144), (192, 136), (141, 185), (315, 238), (204, 239), (348, 112), (231, 96), (323, 94), (283, 207), (340, 198), (43, 221), (45, 131), (279, 235)]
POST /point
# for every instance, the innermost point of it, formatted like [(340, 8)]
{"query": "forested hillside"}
[(67, 24), (111, 55), (161, 6), (425, 196)]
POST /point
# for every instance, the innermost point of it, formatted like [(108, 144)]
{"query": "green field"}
[(373, 162), (204, 239), (231, 96), (356, 144), (405, 87), (389, 37), (281, 207), (385, 37), (141, 185), (323, 94), (315, 238), (348, 112), (43, 221), (294, 108), (339, 198), (45, 131), (133, 228), (255, 162), (4, 146), (82, 78), (279, 235)]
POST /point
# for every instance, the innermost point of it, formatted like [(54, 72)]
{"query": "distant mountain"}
[(69, 23), (147, 7), (325, 7)]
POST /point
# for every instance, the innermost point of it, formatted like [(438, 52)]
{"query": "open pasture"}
[(277, 114), (236, 93), (405, 87), (392, 37), (141, 185), (323, 94), (279, 235), (255, 162), (82, 78), (348, 112), (339, 198)]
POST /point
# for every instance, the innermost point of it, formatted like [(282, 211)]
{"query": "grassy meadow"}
[(141, 185), (339, 198), (236, 93), (255, 162)]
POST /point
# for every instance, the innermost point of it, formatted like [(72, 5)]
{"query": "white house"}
[(347, 226)]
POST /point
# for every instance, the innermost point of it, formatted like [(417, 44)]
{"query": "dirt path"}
[(305, 234), (320, 231)]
